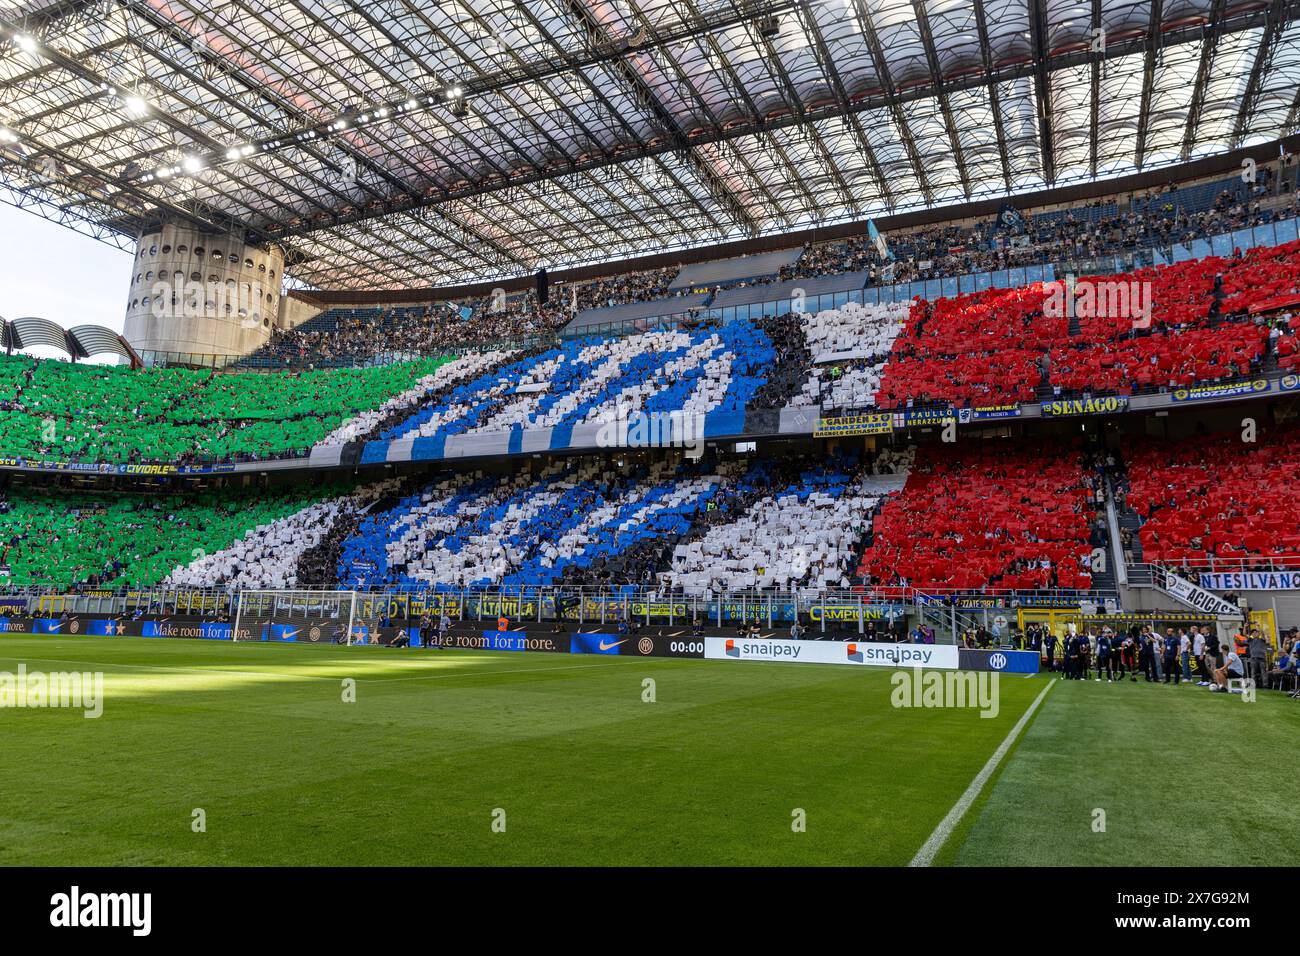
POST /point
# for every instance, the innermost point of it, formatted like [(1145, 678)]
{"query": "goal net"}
[(311, 617)]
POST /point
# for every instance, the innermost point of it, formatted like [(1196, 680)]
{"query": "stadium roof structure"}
[(81, 341), (399, 143)]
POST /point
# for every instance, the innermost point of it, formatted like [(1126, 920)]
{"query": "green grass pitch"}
[(259, 738)]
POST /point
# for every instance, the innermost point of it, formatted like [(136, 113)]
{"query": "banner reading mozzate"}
[(831, 652)]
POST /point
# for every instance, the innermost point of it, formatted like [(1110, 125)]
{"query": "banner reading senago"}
[(1106, 405), (860, 653)]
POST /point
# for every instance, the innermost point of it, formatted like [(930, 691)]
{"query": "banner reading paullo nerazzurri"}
[(859, 653), (1251, 581), (923, 417)]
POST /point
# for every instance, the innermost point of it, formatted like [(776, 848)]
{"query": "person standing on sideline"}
[(1185, 652), (1104, 660), (1073, 656), (1171, 646), (1148, 658), (1049, 645), (1212, 661), (1198, 651), (1258, 658)]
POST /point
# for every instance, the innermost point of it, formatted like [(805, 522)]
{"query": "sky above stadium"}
[(53, 272)]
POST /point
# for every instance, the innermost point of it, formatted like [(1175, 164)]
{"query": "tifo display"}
[(1198, 322)]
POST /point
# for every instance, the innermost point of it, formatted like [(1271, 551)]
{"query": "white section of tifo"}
[(267, 556), (784, 542), (462, 369), (865, 331)]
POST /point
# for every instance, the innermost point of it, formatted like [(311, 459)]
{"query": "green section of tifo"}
[(128, 540), (98, 413)]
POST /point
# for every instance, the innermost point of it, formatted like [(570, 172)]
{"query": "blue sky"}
[(50, 271)]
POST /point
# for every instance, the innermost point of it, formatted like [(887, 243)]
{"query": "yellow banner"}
[(876, 423)]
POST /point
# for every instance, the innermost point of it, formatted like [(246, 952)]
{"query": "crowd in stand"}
[(1210, 497), (111, 413), (630, 287), (1212, 319), (981, 349), (985, 516), (104, 540), (1153, 219), (353, 338), (789, 523)]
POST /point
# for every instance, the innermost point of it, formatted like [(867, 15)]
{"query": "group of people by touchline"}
[(1099, 653), (1109, 654)]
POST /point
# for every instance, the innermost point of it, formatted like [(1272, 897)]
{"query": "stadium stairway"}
[(1103, 581), (1075, 328), (1130, 522)]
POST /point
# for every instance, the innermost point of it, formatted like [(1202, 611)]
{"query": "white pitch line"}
[(930, 849)]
